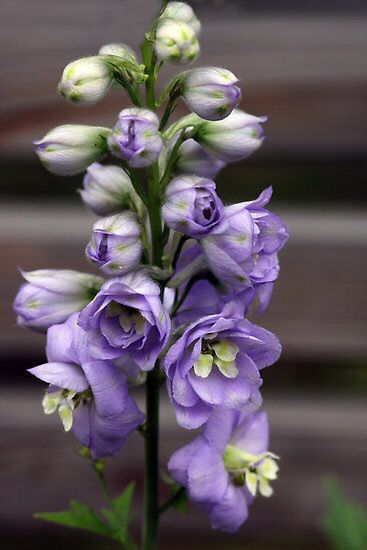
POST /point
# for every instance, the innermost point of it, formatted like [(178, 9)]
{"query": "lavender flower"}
[(215, 364), (70, 149), (90, 396), (115, 245), (192, 206), (232, 139), (223, 468), (50, 296), (210, 92), (175, 41), (108, 189), (127, 317), (135, 138)]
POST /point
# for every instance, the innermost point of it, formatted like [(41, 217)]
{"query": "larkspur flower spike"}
[(181, 273)]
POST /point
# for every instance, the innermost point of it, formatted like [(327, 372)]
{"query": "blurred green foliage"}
[(345, 523)]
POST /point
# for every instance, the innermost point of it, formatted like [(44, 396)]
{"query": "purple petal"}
[(63, 375)]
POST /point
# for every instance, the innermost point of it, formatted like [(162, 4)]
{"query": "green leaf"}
[(345, 523), (118, 518), (79, 516), (122, 504)]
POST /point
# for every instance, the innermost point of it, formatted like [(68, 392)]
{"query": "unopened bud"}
[(70, 149), (176, 42), (119, 50), (108, 189), (180, 11), (211, 92), (86, 81)]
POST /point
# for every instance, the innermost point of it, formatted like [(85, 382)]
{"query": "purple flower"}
[(228, 249), (50, 296), (115, 245), (215, 363), (90, 396), (210, 92), (192, 206), (223, 468), (135, 138), (127, 317)]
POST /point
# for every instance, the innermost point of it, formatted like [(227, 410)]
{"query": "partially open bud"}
[(70, 149), (119, 50), (180, 11), (135, 138), (115, 245), (232, 139), (86, 81), (108, 189), (176, 42), (211, 92), (50, 296)]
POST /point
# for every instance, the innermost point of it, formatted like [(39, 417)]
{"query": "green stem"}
[(172, 500), (151, 468), (172, 160)]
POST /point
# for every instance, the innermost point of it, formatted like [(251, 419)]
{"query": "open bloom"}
[(192, 206), (180, 11), (50, 296), (216, 363), (175, 41), (90, 396), (232, 139), (211, 92), (86, 81), (135, 138), (71, 148), (127, 318), (224, 467), (115, 245)]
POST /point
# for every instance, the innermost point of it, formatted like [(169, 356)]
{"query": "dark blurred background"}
[(302, 63)]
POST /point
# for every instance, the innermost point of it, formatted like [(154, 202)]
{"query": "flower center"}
[(221, 353), (129, 318), (254, 471), (64, 402)]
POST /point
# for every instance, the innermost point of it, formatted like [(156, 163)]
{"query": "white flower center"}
[(220, 353), (254, 471), (64, 402)]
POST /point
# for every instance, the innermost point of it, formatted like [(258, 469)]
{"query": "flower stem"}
[(151, 510)]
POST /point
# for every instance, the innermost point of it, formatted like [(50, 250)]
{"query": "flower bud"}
[(86, 81), (194, 159), (232, 139), (115, 245), (70, 149), (180, 11), (50, 296), (119, 50), (210, 92), (135, 138), (108, 189), (176, 42)]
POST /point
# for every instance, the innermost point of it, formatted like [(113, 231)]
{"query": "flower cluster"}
[(180, 270)]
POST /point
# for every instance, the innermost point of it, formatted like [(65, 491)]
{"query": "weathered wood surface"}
[(307, 72), (319, 308)]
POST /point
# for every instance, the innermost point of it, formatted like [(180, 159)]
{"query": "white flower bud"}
[(86, 81), (180, 11), (119, 50), (176, 42), (211, 92), (108, 189), (70, 149), (232, 139)]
